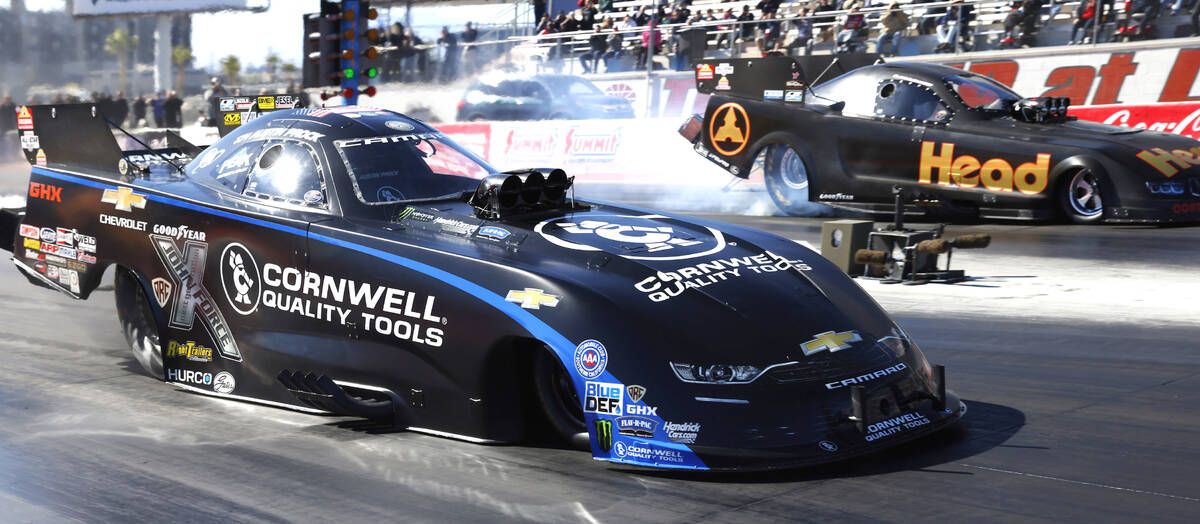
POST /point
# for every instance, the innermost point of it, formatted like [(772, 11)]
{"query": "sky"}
[(253, 36)]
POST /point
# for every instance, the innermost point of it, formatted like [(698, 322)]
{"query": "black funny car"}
[(845, 131), (357, 262)]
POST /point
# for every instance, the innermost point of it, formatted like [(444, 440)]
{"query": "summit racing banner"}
[(1181, 118)]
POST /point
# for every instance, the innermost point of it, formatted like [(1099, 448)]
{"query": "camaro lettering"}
[(866, 377), (995, 174)]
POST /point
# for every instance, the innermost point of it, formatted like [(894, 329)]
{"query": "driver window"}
[(287, 171), (908, 101)]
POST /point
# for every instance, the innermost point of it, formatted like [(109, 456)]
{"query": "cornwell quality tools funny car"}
[(845, 130), (354, 261)]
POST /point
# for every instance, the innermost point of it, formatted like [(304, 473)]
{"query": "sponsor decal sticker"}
[(223, 383), (667, 284), (531, 298), (40, 267), (65, 237), (723, 84), (645, 237), (266, 102), (892, 426), (772, 94), (162, 290), (493, 232), (233, 119), (52, 272), (591, 359), (123, 166), (34, 255), (604, 435), (49, 235), (398, 125), (24, 119), (124, 199), (995, 174), (29, 231), (636, 392), (179, 232), (603, 398), (188, 376), (45, 191), (642, 409), (830, 341), (240, 279), (87, 259), (192, 299), (285, 102), (724, 68), (1170, 162), (827, 446), (30, 141), (729, 129), (647, 452), (127, 223), (682, 432), (636, 427), (793, 95), (704, 72), (226, 105), (190, 351)]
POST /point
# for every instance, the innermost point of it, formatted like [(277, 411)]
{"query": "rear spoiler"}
[(234, 111), (770, 77), (79, 137)]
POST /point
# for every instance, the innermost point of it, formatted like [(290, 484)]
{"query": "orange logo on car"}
[(1170, 162), (996, 174), (729, 138)]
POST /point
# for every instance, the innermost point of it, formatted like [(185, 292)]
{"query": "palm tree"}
[(272, 65), (121, 43), (231, 66), (181, 56)]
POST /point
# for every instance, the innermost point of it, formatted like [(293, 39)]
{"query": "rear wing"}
[(782, 78), (234, 111), (79, 137)]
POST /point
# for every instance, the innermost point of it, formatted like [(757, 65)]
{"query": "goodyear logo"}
[(995, 174), (266, 102), (190, 351), (729, 129), (233, 119), (604, 436)]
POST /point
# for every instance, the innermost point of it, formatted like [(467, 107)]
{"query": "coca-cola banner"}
[(1181, 118)]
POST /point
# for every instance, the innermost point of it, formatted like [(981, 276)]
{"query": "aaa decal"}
[(729, 129), (995, 174)]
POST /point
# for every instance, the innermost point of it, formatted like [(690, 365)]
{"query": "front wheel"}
[(137, 322), (560, 403), (785, 174), (1080, 198)]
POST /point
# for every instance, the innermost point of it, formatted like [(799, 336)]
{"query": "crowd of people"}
[(162, 109)]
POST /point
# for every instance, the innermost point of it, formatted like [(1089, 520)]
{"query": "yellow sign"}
[(532, 298), (189, 351), (729, 139), (124, 198), (33, 244), (233, 119), (266, 102), (830, 341)]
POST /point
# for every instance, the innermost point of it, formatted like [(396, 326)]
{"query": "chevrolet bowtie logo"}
[(830, 341), (532, 298), (124, 198)]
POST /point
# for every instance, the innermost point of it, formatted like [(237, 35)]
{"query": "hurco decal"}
[(192, 299), (866, 377), (1170, 162), (729, 129), (668, 284), (388, 311), (190, 351), (895, 425), (192, 377), (995, 174), (603, 398)]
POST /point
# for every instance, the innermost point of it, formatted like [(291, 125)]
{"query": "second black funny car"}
[(358, 262), (844, 132)]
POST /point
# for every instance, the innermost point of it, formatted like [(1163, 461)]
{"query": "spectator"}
[(160, 119), (569, 24), (628, 23), (1085, 14), (597, 46), (173, 110), (394, 61), (929, 21), (539, 9), (681, 61), (1024, 16), (8, 115), (804, 34), (449, 45), (215, 91), (954, 26), (768, 6), (646, 48), (891, 27), (616, 43), (724, 30), (470, 53), (642, 17), (544, 26), (412, 59), (853, 28), (139, 112), (1195, 18), (120, 109), (604, 6), (768, 33), (587, 15), (824, 22), (747, 29), (1149, 10)]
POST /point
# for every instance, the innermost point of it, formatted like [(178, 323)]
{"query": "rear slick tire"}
[(559, 401), (136, 317)]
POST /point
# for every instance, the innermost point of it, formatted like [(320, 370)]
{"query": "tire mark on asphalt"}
[(1082, 483)]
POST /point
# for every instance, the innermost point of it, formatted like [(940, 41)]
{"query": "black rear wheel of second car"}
[(1080, 199), (136, 316), (560, 402), (785, 174)]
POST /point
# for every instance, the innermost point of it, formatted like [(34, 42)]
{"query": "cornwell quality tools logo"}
[(604, 435), (830, 341), (532, 298), (192, 300), (124, 199), (729, 129), (645, 237)]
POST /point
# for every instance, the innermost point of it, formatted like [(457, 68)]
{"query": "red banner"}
[(1179, 118)]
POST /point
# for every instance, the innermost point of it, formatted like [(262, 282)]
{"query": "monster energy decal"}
[(604, 436), (192, 300)]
